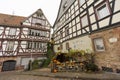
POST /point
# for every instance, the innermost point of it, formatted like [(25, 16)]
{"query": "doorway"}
[(9, 65)]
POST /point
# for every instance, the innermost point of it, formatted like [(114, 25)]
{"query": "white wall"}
[(80, 43)]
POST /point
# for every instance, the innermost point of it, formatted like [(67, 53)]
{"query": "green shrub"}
[(91, 67), (46, 62), (35, 64)]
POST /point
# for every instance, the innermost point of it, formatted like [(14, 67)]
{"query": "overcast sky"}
[(27, 7)]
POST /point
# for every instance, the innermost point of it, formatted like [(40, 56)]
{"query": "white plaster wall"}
[(25, 61), (116, 18), (89, 2), (80, 43), (117, 5), (104, 22)]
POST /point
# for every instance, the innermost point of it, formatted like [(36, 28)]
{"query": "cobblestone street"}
[(17, 76), (73, 75), (45, 74), (21, 76)]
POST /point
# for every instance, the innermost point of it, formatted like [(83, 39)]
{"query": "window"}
[(99, 45), (102, 10), (36, 34), (29, 33), (84, 21), (10, 46), (28, 44), (66, 15), (66, 31), (32, 33), (67, 46), (77, 19), (58, 48), (61, 34), (82, 2), (38, 21), (12, 31), (65, 5)]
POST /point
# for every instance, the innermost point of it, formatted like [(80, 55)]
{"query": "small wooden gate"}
[(9, 65)]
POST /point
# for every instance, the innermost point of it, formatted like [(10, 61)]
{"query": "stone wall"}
[(111, 56)]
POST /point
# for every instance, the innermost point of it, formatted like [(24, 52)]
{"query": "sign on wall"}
[(113, 40)]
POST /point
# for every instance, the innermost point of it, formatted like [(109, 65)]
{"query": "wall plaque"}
[(113, 40)]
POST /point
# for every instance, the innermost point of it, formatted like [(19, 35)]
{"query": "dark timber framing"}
[(83, 9), (21, 36)]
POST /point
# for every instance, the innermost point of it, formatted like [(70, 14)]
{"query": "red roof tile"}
[(6, 19)]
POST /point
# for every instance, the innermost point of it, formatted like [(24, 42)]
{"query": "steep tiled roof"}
[(6, 19)]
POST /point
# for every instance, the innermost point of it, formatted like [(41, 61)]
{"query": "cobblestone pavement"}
[(18, 76), (45, 74), (73, 75)]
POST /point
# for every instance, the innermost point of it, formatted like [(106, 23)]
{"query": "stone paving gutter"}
[(73, 75)]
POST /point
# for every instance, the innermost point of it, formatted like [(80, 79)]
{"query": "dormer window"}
[(65, 5)]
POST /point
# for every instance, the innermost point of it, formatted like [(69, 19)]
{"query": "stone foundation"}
[(111, 56)]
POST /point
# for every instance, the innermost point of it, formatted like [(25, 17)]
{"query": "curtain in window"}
[(10, 46)]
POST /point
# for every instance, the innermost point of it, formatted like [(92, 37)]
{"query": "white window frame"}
[(99, 44), (82, 2), (12, 31), (61, 34), (107, 10), (10, 46)]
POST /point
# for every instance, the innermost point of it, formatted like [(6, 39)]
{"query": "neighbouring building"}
[(23, 39), (93, 25)]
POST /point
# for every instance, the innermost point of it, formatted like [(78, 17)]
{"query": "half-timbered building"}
[(22, 39), (93, 25)]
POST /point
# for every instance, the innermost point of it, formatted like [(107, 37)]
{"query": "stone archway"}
[(9, 65)]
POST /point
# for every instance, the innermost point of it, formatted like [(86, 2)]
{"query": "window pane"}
[(67, 46), (99, 45), (12, 31), (102, 11), (66, 31), (10, 46), (84, 21), (82, 2)]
